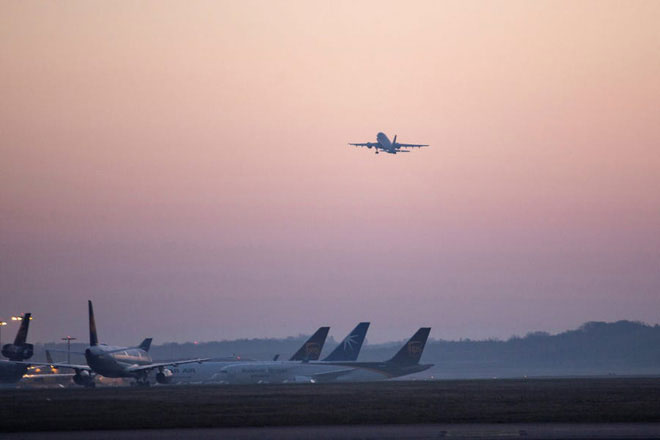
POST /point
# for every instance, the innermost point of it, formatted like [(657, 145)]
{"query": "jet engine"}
[(83, 378), (20, 352), (300, 379), (164, 376)]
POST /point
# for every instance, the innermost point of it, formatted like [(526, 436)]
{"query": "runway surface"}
[(442, 405), (415, 432)]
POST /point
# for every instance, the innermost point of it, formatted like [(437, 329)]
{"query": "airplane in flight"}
[(13, 369), (118, 362), (383, 143)]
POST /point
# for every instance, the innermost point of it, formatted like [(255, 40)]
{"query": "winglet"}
[(93, 336)]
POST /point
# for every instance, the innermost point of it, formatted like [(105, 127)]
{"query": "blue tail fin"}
[(411, 352), (21, 336), (311, 349), (93, 336), (145, 345), (349, 348)]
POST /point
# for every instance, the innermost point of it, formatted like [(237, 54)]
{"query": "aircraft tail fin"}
[(276, 357), (411, 352), (49, 358), (311, 349), (93, 336), (21, 336), (146, 344), (394, 140), (349, 348)]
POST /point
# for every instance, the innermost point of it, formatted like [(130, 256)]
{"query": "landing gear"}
[(90, 385), (141, 383)]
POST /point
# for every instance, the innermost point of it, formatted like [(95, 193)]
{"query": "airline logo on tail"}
[(415, 348), (313, 349)]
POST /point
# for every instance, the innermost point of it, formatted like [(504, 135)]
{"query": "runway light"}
[(3, 323)]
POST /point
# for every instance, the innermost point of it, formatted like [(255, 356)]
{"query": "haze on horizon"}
[(184, 165)]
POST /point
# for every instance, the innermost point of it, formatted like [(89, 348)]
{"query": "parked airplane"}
[(12, 370), (209, 371), (276, 371), (404, 362), (383, 143), (118, 362)]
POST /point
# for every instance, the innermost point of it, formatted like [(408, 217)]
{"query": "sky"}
[(185, 166)]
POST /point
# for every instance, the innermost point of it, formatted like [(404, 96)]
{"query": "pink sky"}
[(184, 165)]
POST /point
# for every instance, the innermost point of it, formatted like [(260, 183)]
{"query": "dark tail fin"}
[(21, 336), (276, 357), (146, 344), (311, 349), (394, 141), (93, 337), (412, 351), (349, 348), (49, 358)]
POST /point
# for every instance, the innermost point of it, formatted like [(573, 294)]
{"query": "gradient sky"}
[(184, 165)]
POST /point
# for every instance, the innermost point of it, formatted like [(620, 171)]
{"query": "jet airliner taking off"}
[(392, 147)]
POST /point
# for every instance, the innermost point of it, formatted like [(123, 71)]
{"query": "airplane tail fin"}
[(21, 336), (411, 352), (394, 140), (349, 348), (49, 358), (145, 345), (311, 349), (93, 336), (20, 350)]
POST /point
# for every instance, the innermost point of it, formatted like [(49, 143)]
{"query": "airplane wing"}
[(138, 368), (411, 145), (57, 365), (367, 144)]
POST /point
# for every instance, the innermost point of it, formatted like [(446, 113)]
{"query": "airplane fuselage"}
[(114, 362), (11, 372), (384, 141)]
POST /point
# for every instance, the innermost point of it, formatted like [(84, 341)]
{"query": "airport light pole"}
[(68, 340), (2, 324)]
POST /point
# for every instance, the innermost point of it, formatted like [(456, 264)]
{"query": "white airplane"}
[(117, 362), (404, 362), (384, 143)]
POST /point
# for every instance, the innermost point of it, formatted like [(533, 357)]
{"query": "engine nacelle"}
[(15, 352), (164, 376), (83, 378), (300, 379)]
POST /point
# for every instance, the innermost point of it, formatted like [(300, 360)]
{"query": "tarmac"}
[(364, 432)]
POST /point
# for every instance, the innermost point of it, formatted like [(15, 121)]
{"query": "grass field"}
[(465, 401)]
